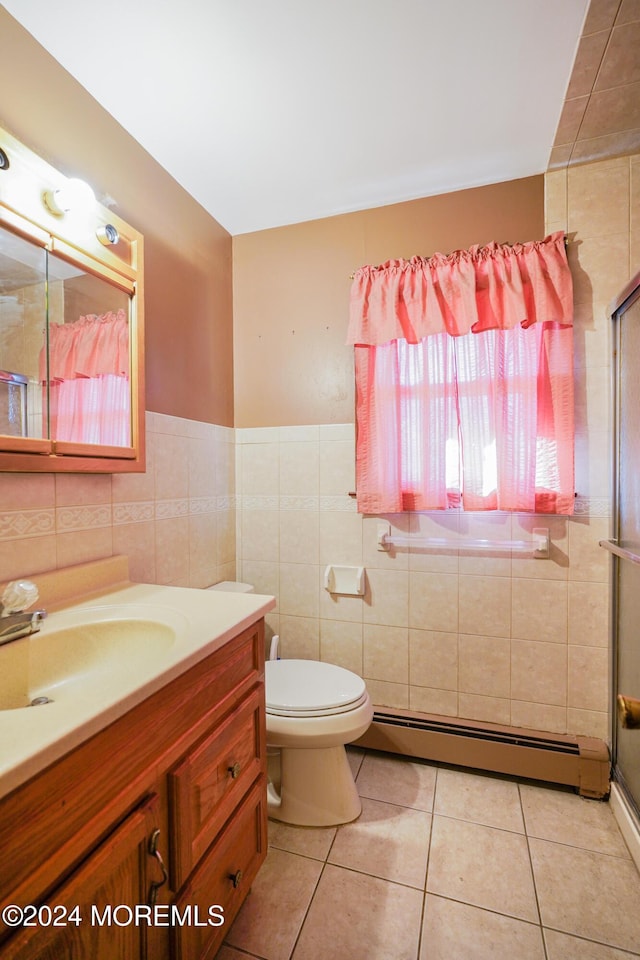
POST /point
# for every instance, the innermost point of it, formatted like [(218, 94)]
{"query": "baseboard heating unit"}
[(581, 762)]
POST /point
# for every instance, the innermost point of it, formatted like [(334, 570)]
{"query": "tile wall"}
[(503, 639), (176, 522)]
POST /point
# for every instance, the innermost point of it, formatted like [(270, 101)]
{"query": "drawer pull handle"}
[(236, 878), (154, 852), (234, 771)]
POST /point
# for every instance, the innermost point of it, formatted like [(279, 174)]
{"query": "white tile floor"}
[(445, 864)]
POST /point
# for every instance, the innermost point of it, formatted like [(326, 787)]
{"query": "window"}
[(479, 420)]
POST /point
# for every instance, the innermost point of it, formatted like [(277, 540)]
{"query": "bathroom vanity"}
[(142, 839)]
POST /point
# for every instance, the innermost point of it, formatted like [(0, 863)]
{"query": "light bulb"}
[(74, 194)]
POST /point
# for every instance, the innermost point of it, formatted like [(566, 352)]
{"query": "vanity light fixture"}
[(74, 194), (107, 234)]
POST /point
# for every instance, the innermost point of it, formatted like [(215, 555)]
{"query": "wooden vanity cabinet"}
[(83, 905), (167, 805)]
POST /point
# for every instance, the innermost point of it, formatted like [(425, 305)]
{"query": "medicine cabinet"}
[(71, 325)]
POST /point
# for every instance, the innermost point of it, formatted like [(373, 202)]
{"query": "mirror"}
[(70, 331), (23, 304), (64, 349)]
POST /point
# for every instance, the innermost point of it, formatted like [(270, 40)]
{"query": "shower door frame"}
[(627, 298)]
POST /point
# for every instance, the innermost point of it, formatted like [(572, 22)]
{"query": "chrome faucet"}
[(15, 620)]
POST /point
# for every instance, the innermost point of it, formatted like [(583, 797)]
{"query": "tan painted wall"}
[(511, 641), (189, 330), (291, 292)]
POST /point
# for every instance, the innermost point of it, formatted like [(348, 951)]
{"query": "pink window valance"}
[(92, 346), (497, 286)]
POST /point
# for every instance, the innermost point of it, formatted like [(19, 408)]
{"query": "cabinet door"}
[(220, 883), (71, 328), (113, 876)]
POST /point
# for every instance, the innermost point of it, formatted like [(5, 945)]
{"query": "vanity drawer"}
[(223, 879), (237, 667), (210, 781)]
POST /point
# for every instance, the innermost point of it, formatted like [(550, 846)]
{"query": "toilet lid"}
[(311, 688)]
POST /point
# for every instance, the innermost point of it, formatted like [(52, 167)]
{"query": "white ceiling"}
[(272, 112)]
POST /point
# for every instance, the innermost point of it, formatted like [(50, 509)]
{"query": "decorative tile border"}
[(20, 524), (345, 504), (199, 505), (70, 519), (299, 503), (259, 503), (134, 512), (583, 506), (168, 509)]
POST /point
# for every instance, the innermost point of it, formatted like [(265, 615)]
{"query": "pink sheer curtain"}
[(89, 396), (464, 381)]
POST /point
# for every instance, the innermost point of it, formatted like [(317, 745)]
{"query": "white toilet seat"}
[(313, 710), (328, 712), (311, 688)]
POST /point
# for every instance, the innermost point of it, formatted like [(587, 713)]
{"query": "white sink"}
[(75, 649), (98, 658)]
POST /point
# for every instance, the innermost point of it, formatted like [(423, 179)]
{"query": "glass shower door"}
[(627, 533)]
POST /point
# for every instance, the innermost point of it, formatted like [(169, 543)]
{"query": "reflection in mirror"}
[(77, 390), (71, 328), (23, 292), (89, 391)]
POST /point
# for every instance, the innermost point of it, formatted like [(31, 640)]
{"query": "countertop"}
[(203, 620)]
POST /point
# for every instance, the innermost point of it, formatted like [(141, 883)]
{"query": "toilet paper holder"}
[(344, 580)]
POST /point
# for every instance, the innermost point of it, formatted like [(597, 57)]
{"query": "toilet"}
[(313, 710)]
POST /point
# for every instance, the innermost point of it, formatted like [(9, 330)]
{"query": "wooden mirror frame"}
[(25, 180)]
